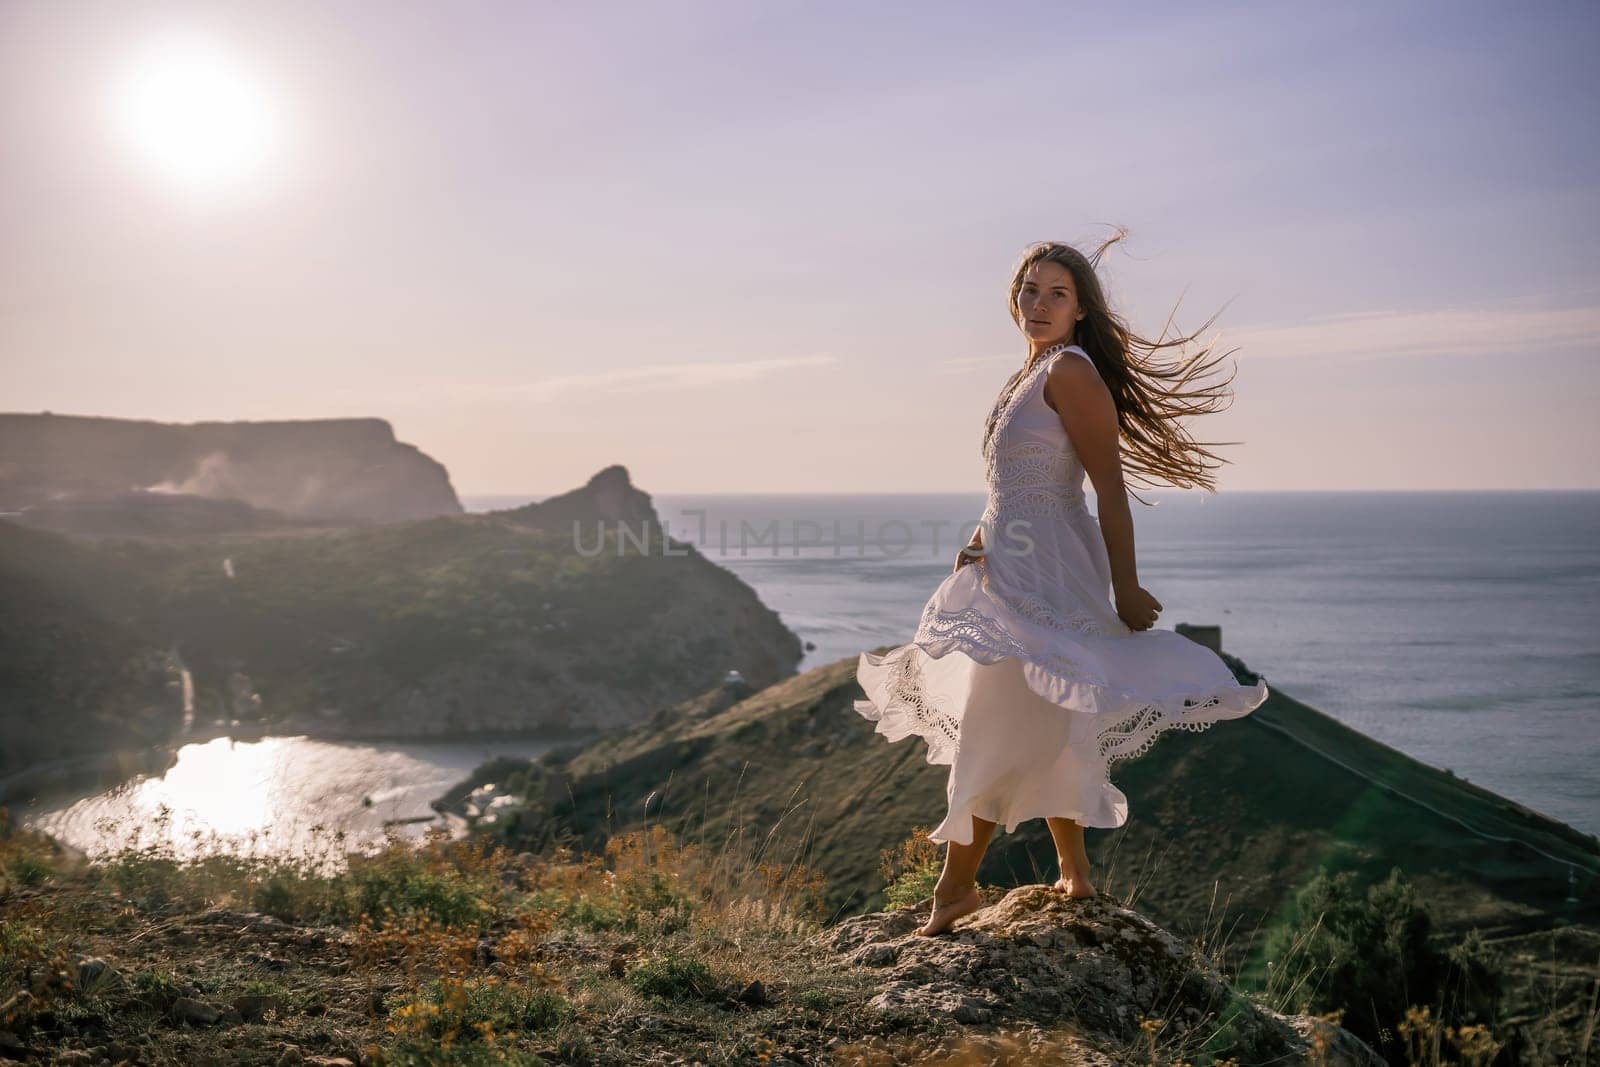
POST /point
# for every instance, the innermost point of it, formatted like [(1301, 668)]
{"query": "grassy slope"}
[(458, 624), (1226, 825), (440, 955)]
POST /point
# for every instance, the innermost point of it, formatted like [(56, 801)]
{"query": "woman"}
[(1035, 665)]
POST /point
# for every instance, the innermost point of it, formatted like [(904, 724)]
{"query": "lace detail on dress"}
[(1044, 613), (1034, 481), (1032, 478), (1133, 735), (1013, 392), (908, 701), (972, 628), (980, 632)]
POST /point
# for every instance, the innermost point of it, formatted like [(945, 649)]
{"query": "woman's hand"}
[(974, 545), (1137, 607)]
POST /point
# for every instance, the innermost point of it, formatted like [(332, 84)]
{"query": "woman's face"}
[(1048, 304)]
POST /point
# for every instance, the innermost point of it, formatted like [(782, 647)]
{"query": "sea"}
[(1462, 628)]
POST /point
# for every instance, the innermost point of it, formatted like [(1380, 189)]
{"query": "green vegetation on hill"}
[(1228, 826), (458, 953), (78, 673), (447, 953), (463, 624)]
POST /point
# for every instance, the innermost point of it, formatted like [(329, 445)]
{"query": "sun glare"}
[(195, 115)]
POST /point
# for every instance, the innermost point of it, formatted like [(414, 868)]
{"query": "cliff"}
[(84, 473), (1227, 826)]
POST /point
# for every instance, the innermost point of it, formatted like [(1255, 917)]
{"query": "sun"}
[(194, 114)]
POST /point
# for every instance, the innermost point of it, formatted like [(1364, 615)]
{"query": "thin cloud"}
[(659, 377), (662, 377), (1447, 331), (961, 364)]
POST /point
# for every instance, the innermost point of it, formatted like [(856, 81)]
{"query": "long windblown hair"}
[(1151, 397)]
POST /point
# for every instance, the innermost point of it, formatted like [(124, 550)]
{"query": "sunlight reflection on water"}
[(277, 796)]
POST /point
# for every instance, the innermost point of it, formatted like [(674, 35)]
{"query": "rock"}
[(74, 1056), (20, 1005), (328, 1061), (1340, 1045), (195, 1012), (252, 1009), (950, 999), (267, 961), (621, 955), (1040, 958), (875, 955)]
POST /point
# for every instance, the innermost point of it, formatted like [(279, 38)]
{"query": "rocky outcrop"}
[(77, 472), (607, 500), (1091, 975)]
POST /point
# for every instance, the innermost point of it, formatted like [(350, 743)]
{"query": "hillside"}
[(655, 952), (77, 675), (1227, 825), (438, 627)]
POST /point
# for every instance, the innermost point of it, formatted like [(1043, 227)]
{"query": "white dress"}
[(1021, 676)]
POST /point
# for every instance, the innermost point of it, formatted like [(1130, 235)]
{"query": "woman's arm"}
[(1089, 416)]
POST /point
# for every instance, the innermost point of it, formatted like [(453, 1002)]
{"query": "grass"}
[(910, 870), (461, 952), (679, 977), (434, 952)]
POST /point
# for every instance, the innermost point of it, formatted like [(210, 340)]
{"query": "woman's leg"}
[(956, 893), (1072, 856)]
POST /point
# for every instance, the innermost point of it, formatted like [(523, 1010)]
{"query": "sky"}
[(765, 247)]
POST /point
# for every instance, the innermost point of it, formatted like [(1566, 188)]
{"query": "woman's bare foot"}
[(1079, 888), (948, 912)]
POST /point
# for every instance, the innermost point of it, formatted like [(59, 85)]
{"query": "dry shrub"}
[(649, 880), (909, 870)]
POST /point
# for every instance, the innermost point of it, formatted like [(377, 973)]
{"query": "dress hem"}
[(1123, 723)]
